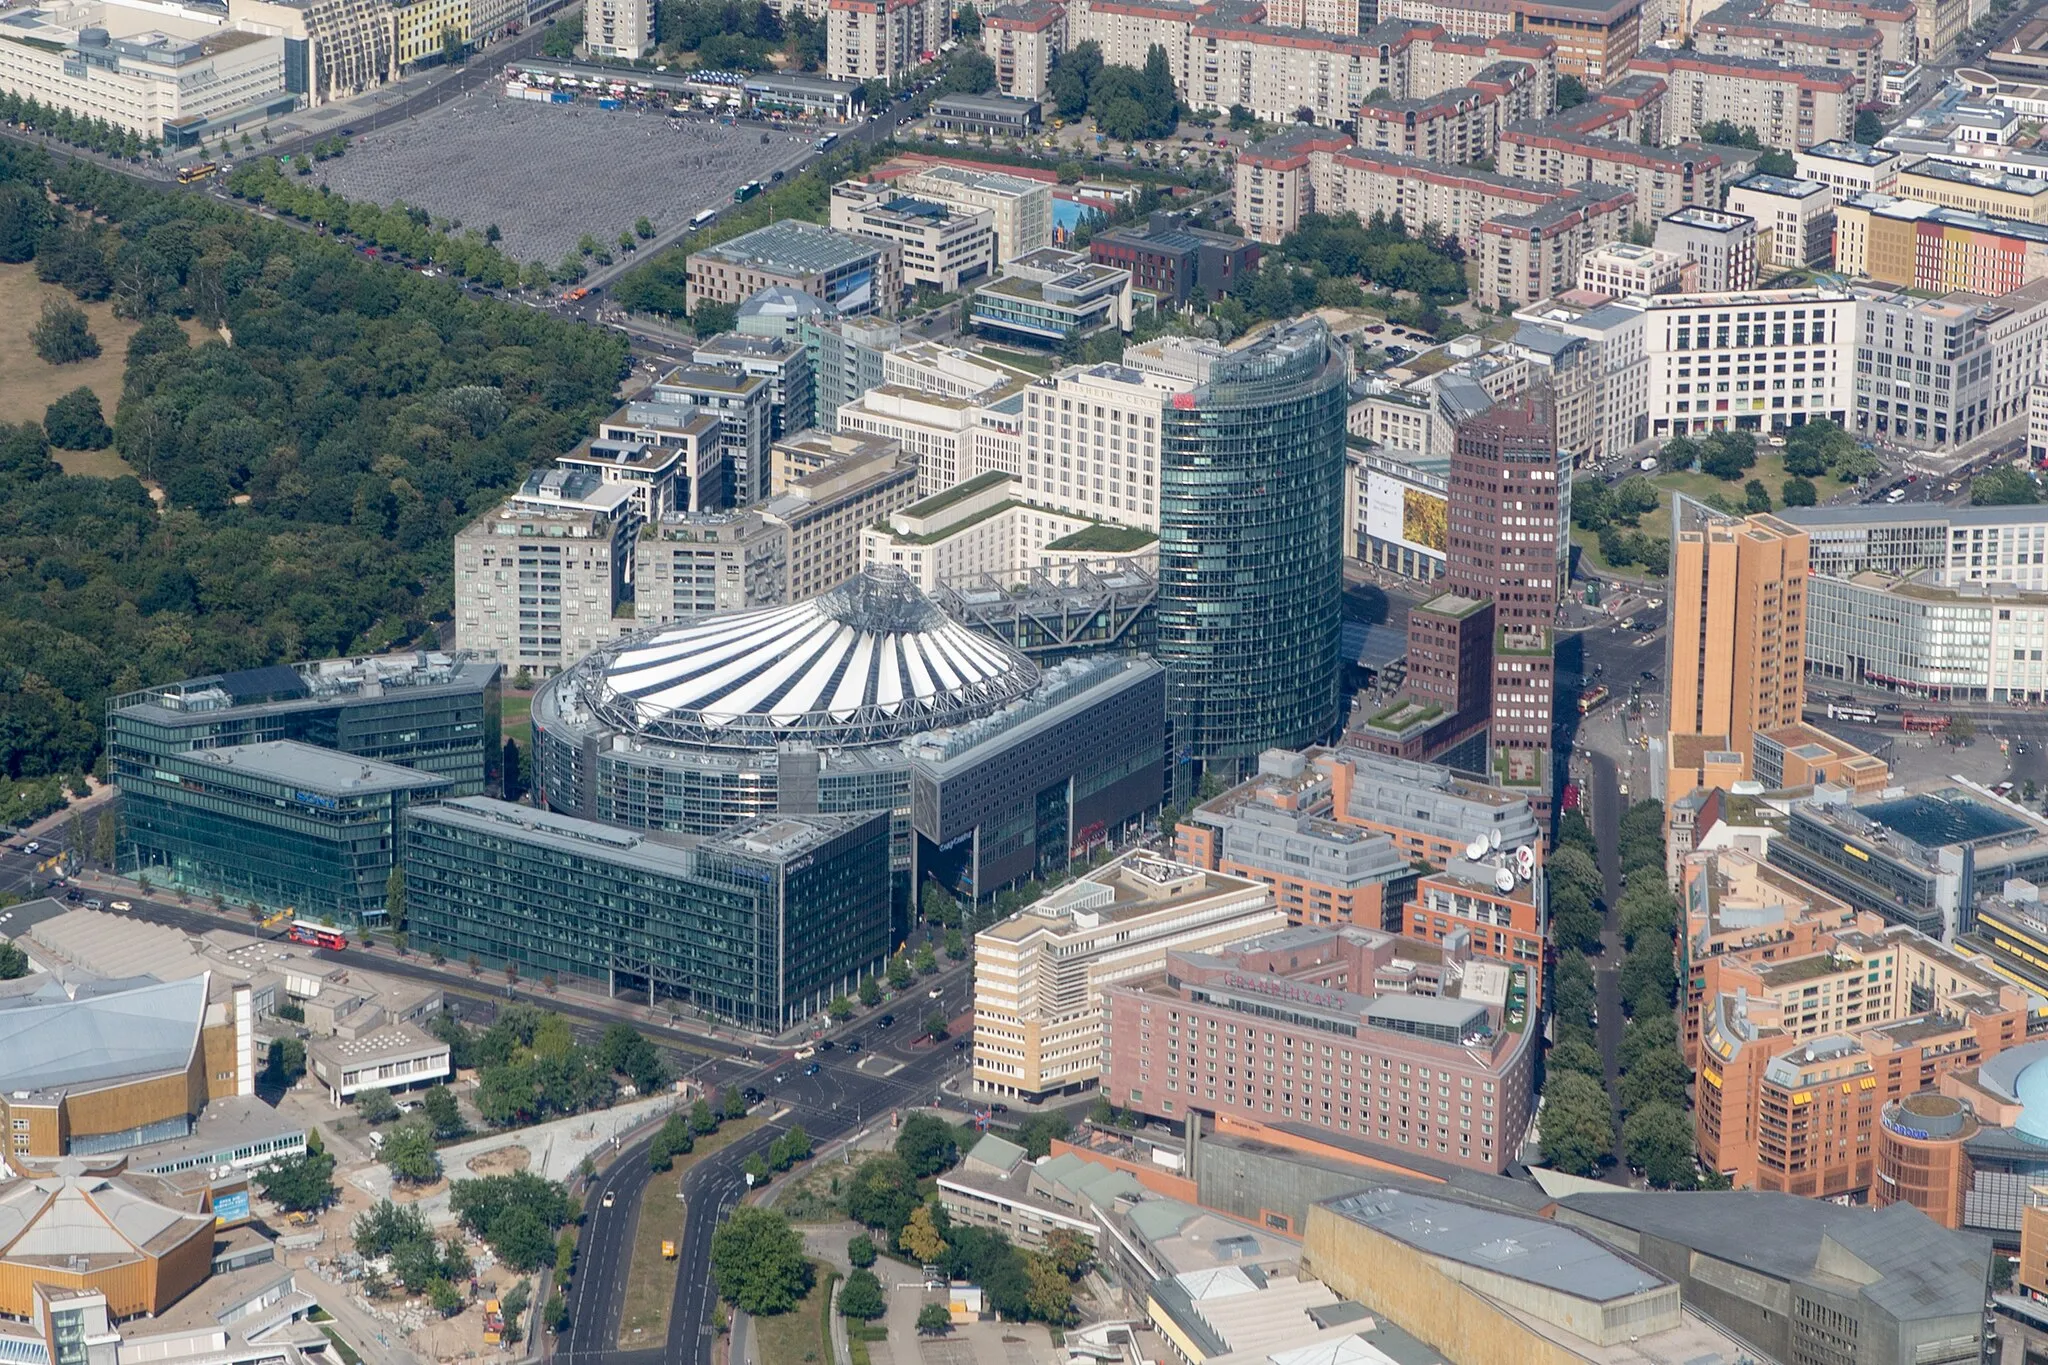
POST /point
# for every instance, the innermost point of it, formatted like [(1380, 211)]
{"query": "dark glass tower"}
[(1251, 484)]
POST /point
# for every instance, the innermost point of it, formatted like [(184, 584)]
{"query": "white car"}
[(121, 907), (608, 1197), (31, 846)]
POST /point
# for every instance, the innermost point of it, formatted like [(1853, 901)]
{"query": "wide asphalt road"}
[(838, 1101)]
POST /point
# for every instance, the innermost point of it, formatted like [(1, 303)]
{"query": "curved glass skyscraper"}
[(1251, 487)]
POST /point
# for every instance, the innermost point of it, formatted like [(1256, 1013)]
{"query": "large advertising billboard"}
[(1404, 514)]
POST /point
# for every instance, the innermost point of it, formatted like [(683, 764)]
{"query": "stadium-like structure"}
[(868, 662), (866, 697)]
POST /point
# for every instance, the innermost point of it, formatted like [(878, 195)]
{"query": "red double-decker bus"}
[(317, 935), (1924, 722)]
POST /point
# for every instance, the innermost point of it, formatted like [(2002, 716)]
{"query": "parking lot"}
[(546, 174)]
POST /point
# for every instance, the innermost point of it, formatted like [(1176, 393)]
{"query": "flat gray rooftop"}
[(326, 771), (1534, 1250), (1922, 1269), (795, 248)]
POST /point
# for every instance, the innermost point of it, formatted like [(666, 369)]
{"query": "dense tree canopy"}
[(757, 1259), (364, 413)]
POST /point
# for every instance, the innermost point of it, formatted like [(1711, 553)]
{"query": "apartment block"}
[(1795, 345), (2037, 422), (1738, 632), (784, 362), (743, 406), (1455, 127), (1664, 179), (1344, 1011), (1127, 30), (1789, 107), (1024, 40), (540, 581), (1624, 268), (1849, 168), (1040, 1026), (693, 564), (824, 511), (672, 457), (651, 471), (619, 28), (881, 39), (1524, 257), (1800, 1055), (1721, 247), (1738, 905), (1796, 35), (1458, 199), (1795, 218)]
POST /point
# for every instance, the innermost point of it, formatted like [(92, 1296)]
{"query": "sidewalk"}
[(555, 1149)]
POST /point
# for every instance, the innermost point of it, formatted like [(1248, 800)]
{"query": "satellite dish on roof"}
[(1493, 838), (1476, 850), (1525, 861), (1504, 879)]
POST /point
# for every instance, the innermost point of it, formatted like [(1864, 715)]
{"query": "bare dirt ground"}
[(504, 1161)]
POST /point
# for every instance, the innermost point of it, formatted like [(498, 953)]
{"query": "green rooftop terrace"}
[(1104, 538), (959, 492)]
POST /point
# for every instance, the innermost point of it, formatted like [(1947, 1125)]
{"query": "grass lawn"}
[(343, 1349), (798, 1336), (1023, 360), (516, 716), (1769, 468), (32, 383), (651, 1281), (93, 464)]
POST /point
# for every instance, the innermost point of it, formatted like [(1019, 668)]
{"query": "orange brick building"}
[(1737, 905), (1799, 1055), (1341, 836)]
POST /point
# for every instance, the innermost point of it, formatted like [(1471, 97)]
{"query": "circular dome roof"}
[(866, 662)]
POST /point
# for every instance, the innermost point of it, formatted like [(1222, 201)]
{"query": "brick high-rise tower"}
[(1509, 518)]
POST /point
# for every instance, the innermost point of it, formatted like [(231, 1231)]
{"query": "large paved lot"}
[(548, 173)]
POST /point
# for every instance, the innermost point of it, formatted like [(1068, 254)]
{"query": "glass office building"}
[(435, 712), (761, 926), (282, 825), (1251, 488)]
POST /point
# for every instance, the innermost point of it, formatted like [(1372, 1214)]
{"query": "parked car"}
[(121, 907)]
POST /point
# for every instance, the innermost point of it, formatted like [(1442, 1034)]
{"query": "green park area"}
[(1625, 527)]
